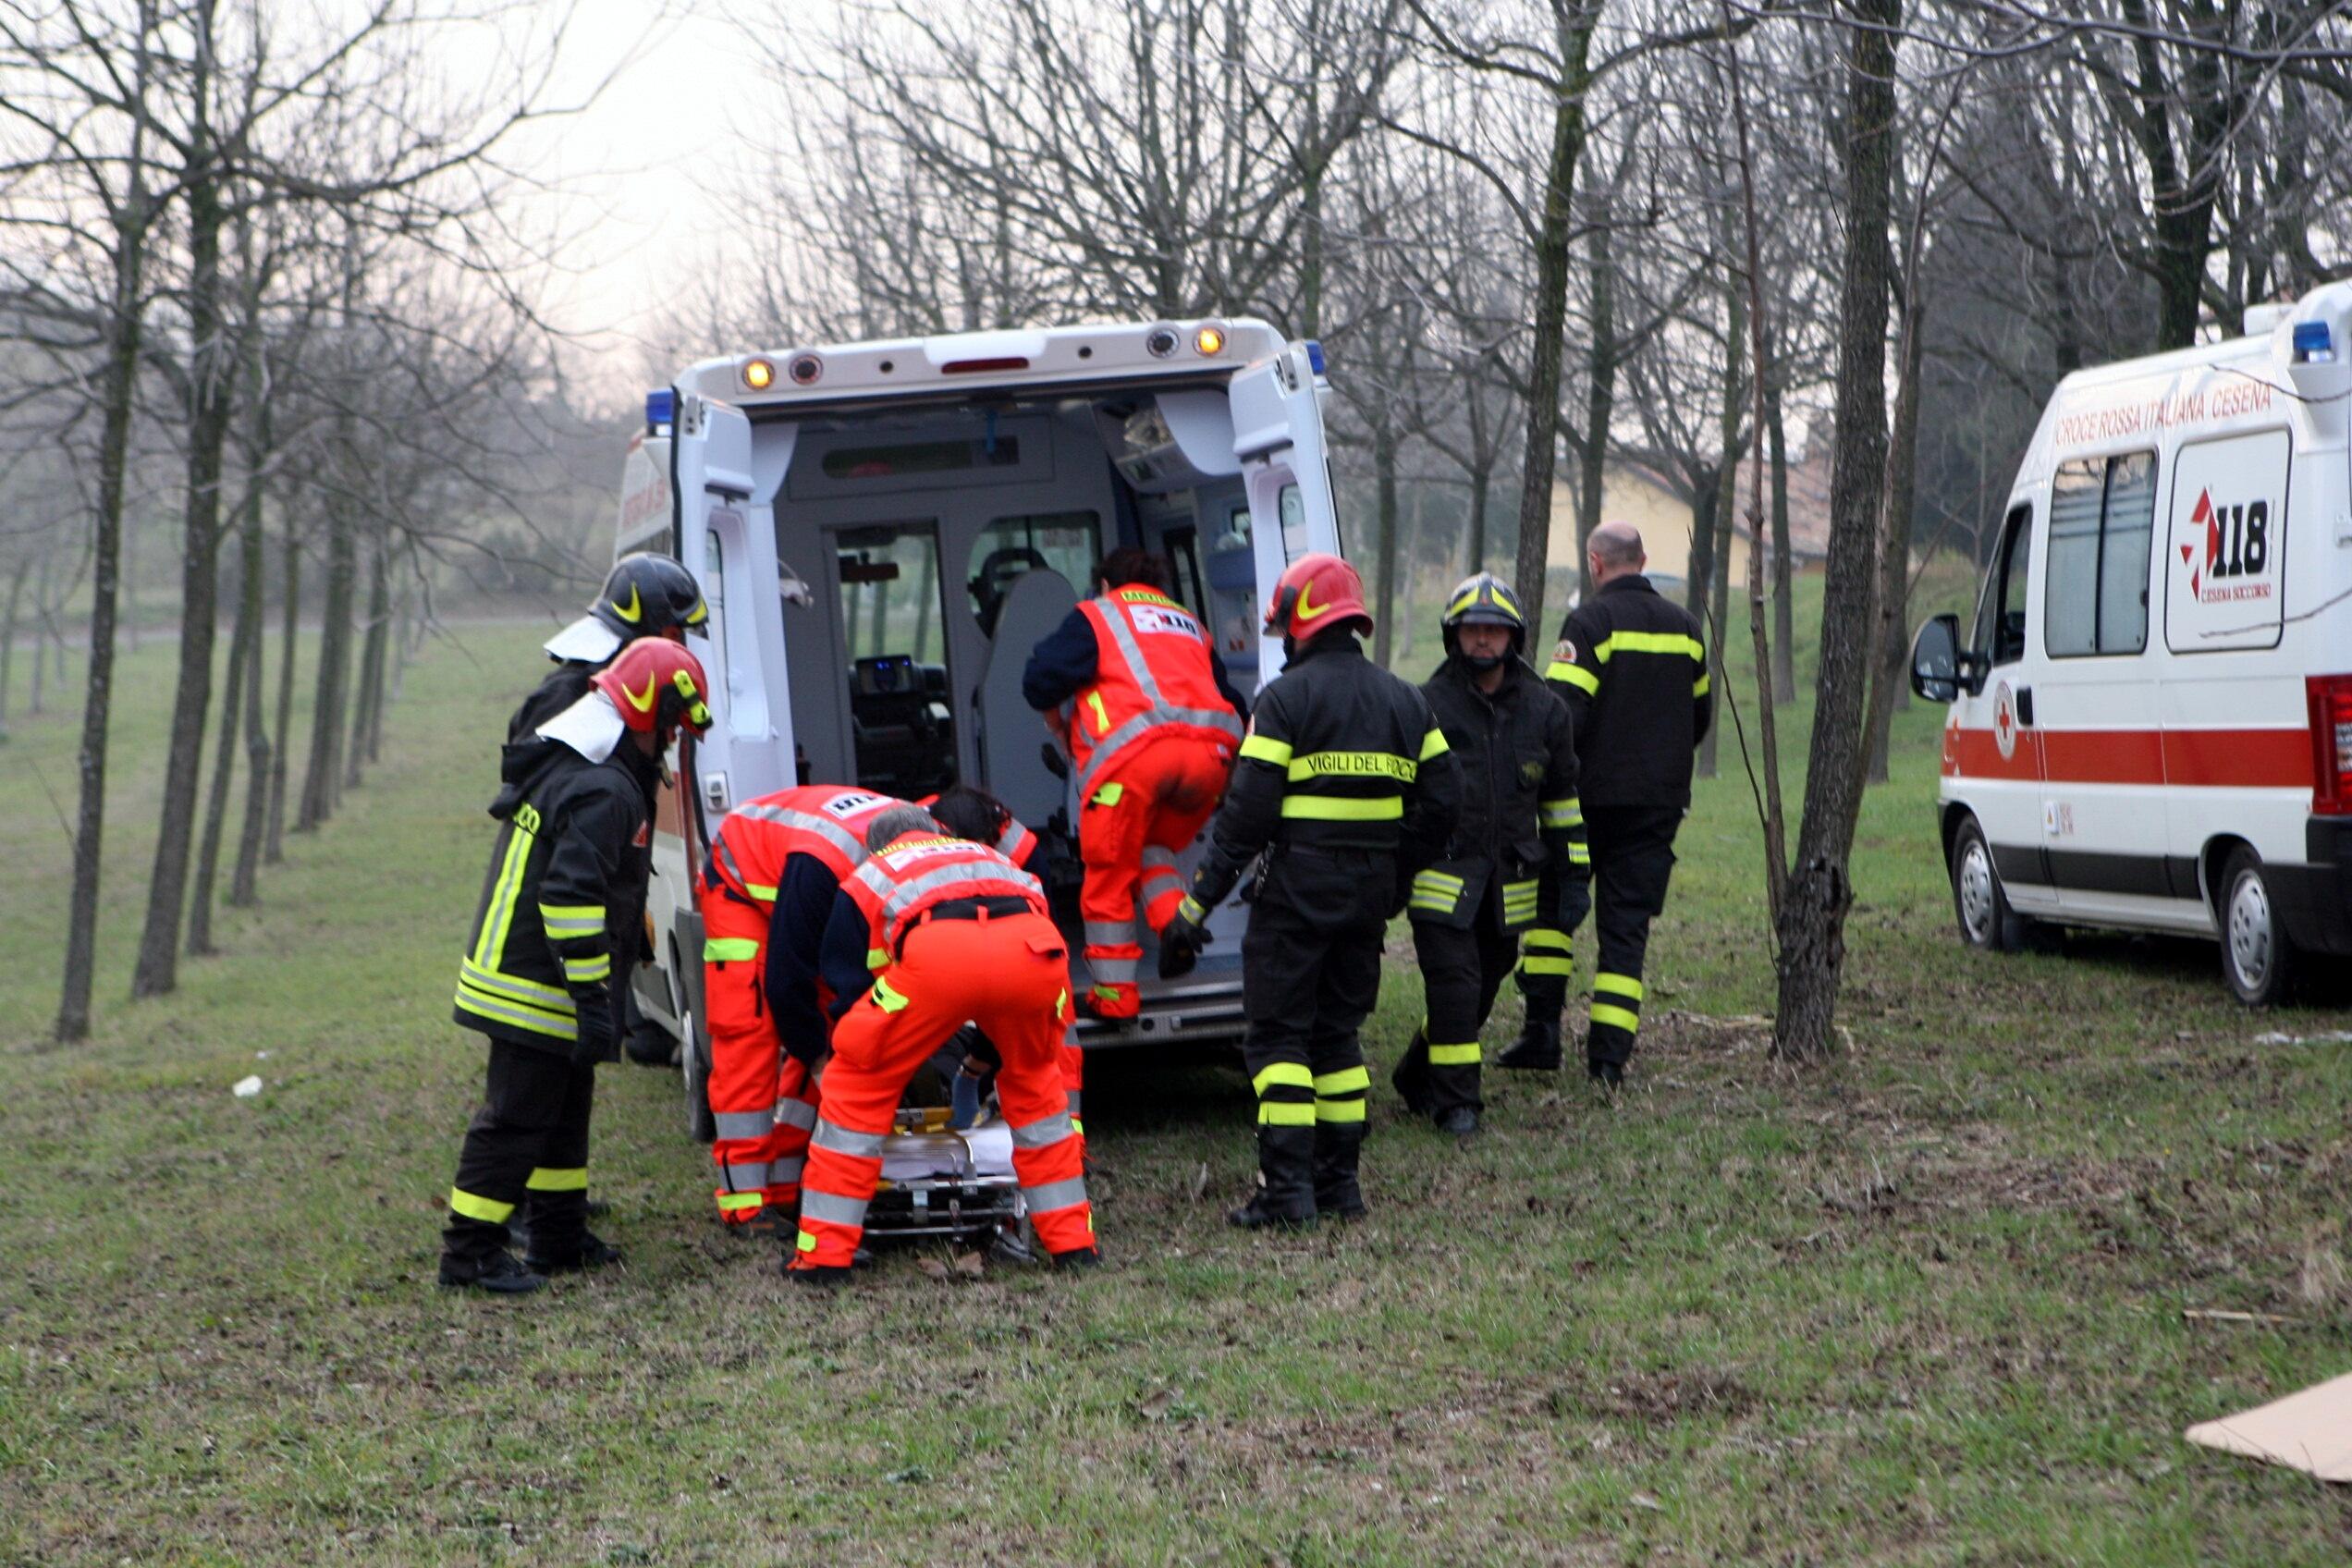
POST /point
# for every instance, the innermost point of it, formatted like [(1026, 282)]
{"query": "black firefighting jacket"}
[(1632, 668), (565, 896), (1517, 754), (564, 685), (1340, 754)]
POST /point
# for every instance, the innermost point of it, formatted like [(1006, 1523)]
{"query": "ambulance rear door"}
[(1278, 436)]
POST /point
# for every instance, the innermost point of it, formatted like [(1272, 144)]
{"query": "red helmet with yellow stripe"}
[(1317, 593), (658, 685)]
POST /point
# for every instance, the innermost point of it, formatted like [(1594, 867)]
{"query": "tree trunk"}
[(243, 882), (290, 632), (322, 776), (1718, 609), (211, 367), (1783, 558), (243, 643), (1384, 469), (1811, 956), (1481, 486), (125, 323), (1601, 399), (42, 638), (1891, 678), (1698, 564), (371, 691), (1552, 237), (9, 638)]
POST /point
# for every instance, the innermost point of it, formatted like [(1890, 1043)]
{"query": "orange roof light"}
[(759, 374), (1209, 339)]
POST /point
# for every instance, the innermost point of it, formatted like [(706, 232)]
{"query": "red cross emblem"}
[(2005, 722)]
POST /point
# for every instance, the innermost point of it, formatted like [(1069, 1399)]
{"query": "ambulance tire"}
[(2258, 959), (1977, 900)]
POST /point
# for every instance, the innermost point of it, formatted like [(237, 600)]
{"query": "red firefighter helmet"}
[(658, 685), (1317, 593)]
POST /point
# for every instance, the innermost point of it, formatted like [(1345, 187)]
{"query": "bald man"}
[(1632, 668)]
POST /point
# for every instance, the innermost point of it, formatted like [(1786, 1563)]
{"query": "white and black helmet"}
[(1484, 600)]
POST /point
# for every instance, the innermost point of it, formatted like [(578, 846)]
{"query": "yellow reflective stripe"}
[(1433, 903), (1191, 909), (1629, 1022), (1262, 748), (1110, 794), (761, 891), (1532, 964), (886, 997), (539, 1021), (1465, 1055), (1433, 745), (1546, 937), (1323, 1111), (805, 1242), (588, 971), (1288, 1113), (474, 1206), (1647, 643), (1584, 679), (1286, 1074), (1333, 808), (1618, 985), (1579, 853), (1436, 881), (730, 950), (1701, 686), (728, 1202), (1353, 765), (500, 916), (1568, 813), (572, 920), (514, 987), (547, 1180), (878, 958), (1345, 1081)]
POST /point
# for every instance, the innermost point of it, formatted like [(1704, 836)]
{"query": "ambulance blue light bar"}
[(2313, 344), (661, 407), (1314, 355)]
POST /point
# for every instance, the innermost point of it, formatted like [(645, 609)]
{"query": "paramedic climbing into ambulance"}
[(1133, 688), (1632, 668), (563, 902), (932, 932), (1345, 783), (1517, 853)]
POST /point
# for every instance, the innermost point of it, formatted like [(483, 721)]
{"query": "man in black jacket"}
[(1516, 862), (1632, 668), (560, 909), (1344, 785)]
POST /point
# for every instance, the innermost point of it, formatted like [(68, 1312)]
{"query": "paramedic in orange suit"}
[(931, 932), (1135, 691)]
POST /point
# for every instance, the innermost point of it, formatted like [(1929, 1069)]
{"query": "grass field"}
[(1918, 1305)]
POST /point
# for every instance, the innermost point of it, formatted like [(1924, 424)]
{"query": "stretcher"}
[(937, 1182)]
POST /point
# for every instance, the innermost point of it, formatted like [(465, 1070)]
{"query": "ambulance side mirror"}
[(1935, 659)]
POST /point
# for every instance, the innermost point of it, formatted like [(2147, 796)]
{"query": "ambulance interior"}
[(926, 552)]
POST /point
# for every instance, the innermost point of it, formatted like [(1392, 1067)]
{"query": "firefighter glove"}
[(1186, 935), (597, 1036), (1056, 763)]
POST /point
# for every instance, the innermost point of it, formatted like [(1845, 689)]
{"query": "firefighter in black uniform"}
[(1344, 784), (643, 595), (561, 904), (1520, 840), (1632, 669)]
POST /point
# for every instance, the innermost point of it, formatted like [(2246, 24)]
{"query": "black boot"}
[(1285, 1194), (496, 1272), (1536, 1050), (1411, 1077), (1337, 1193), (593, 1251)]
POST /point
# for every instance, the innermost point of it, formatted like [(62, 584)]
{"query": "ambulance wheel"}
[(693, 1065), (2256, 958), (1986, 919)]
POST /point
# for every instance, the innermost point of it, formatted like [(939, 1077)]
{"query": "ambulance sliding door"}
[(1278, 436)]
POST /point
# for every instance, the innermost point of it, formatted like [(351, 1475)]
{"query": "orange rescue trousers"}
[(764, 1100), (1009, 975), (1130, 831)]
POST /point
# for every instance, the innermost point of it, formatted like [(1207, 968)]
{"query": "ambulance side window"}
[(2094, 588), (2001, 624)]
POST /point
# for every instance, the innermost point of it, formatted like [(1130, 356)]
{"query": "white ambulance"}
[(884, 530), (2150, 724)]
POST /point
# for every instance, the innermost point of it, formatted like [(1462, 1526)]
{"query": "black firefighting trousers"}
[(1633, 855), (528, 1143), (1461, 971), (1311, 971)]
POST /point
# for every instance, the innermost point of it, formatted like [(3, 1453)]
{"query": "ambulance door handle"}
[(2024, 705)]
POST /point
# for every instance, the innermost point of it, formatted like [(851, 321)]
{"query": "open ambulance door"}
[(1278, 436)]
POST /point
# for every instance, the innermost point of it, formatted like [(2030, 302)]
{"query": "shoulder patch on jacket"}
[(1563, 652)]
